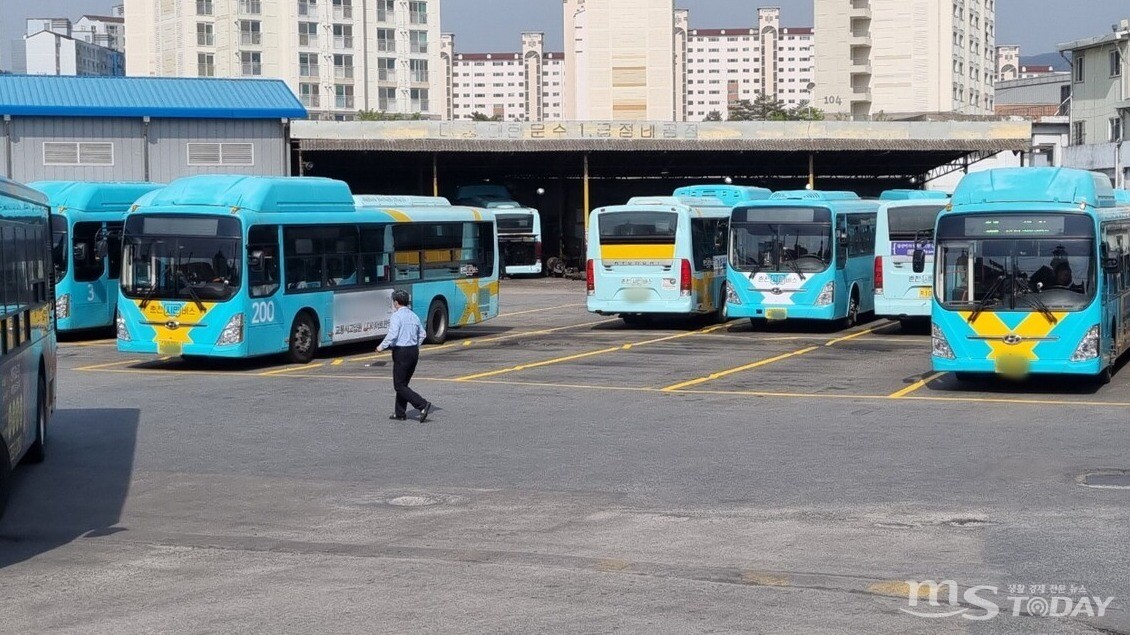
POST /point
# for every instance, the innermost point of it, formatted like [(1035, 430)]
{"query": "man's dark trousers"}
[(404, 360)]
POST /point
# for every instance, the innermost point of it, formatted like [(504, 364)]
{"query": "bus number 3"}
[(262, 312), (90, 297)]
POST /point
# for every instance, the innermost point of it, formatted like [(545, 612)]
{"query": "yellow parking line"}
[(550, 308), (96, 343), (291, 369), (855, 335), (915, 386), (718, 375), (338, 362), (568, 358), (109, 365)]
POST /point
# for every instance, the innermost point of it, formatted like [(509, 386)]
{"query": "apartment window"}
[(308, 34), (308, 64), (1080, 68), (251, 63), (205, 154), (418, 12), (309, 94), (343, 96), (384, 10), (1079, 133), (418, 41), (419, 69), (205, 34), (420, 100), (386, 99), (385, 69), (308, 7), (250, 7), (386, 40), (1116, 63), (205, 65), (343, 66), (250, 32), (343, 9), (343, 36), (204, 7), (1115, 129)]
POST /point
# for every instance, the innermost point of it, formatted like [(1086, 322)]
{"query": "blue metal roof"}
[(1035, 185), (157, 97)]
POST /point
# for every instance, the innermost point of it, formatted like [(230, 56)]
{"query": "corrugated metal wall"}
[(168, 147)]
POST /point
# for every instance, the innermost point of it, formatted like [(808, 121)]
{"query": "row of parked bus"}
[(1023, 270)]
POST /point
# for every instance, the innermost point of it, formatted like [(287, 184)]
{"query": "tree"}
[(804, 112), (713, 116), (380, 115), (478, 116), (769, 108)]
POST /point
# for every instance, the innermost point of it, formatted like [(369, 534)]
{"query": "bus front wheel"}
[(38, 450), (852, 311), (436, 326), (303, 339)]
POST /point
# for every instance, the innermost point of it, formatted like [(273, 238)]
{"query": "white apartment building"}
[(524, 86), (619, 60), (724, 66), (1100, 103), (905, 56), (1008, 63), (103, 30), (338, 56), (55, 46)]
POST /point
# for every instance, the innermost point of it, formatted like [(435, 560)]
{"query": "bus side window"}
[(113, 236), (408, 248), (88, 266), (263, 260), (374, 254)]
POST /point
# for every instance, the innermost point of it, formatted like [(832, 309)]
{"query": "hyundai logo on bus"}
[(172, 325), (1012, 339), (980, 603)]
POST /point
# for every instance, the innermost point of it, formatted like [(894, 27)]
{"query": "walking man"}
[(405, 334)]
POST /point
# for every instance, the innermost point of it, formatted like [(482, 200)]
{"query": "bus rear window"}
[(909, 223), (515, 223), (638, 227)]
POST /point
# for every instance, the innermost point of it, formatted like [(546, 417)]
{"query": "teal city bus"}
[(659, 256), (231, 267), (86, 235), (1032, 275), (27, 329), (519, 227), (904, 253), (802, 254)]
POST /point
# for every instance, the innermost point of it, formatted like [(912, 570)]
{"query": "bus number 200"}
[(262, 312)]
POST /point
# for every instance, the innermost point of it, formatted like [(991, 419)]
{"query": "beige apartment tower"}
[(902, 57), (338, 56), (620, 61)]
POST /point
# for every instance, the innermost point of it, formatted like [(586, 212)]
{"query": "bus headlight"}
[(233, 332), (1088, 348), (939, 343), (123, 331), (63, 306), (827, 295), (732, 296)]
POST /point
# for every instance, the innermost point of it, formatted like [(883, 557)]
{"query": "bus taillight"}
[(878, 275), (685, 278), (590, 277), (537, 251)]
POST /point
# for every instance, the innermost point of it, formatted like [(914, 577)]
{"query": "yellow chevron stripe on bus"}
[(1031, 330), (637, 252)]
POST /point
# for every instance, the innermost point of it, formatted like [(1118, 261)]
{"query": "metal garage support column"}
[(585, 204), (145, 147), (811, 171), (435, 174), (8, 145)]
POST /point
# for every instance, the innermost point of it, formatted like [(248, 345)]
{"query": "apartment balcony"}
[(860, 37), (861, 8), (860, 93), (861, 67)]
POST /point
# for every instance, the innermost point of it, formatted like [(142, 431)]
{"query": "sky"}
[(495, 25)]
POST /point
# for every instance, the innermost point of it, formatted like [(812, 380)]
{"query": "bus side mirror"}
[(101, 248), (843, 237), (919, 260), (80, 252), (1112, 265), (255, 260)]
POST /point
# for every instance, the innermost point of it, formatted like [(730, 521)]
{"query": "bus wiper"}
[(191, 291), (1040, 306), (795, 266), (989, 296)]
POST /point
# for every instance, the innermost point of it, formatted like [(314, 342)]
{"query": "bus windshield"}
[(641, 227), (515, 223), (1024, 262), (781, 247), (912, 223), (191, 258)]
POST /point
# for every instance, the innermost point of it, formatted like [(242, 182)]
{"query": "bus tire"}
[(5, 475), (38, 450), (303, 339), (1104, 376), (853, 310), (437, 324), (720, 311)]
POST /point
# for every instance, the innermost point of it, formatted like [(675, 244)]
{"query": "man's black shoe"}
[(397, 417), (425, 411)]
